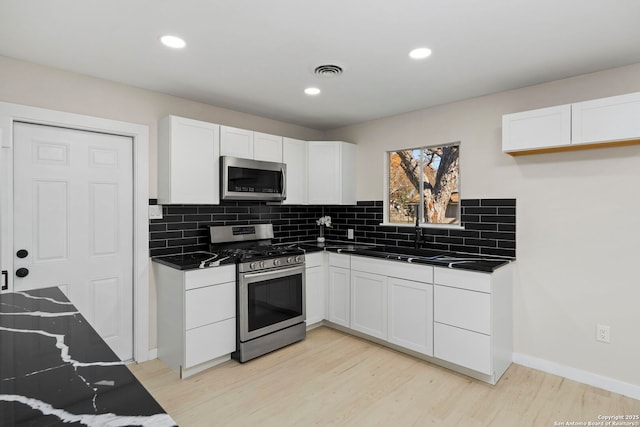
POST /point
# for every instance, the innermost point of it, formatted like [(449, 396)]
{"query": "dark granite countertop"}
[(482, 263), (192, 260), (55, 369)]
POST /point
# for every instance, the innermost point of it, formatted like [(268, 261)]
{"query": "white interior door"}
[(73, 223)]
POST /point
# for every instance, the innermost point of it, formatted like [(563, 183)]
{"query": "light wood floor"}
[(335, 379)]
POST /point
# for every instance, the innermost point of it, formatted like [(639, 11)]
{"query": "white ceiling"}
[(257, 56)]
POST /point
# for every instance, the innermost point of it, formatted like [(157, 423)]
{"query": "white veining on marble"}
[(110, 419), (41, 314), (64, 349), (33, 373), (55, 301)]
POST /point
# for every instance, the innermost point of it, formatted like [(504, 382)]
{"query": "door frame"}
[(10, 113)]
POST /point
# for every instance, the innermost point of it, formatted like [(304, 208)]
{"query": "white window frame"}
[(385, 186)]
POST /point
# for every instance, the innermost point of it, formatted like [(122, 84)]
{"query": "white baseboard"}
[(595, 380)]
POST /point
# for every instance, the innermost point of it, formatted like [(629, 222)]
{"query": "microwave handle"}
[(284, 183)]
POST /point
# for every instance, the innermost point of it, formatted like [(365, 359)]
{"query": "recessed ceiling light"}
[(312, 91), (173, 42), (420, 53)]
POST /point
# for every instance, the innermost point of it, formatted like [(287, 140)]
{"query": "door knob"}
[(22, 253), (22, 272)]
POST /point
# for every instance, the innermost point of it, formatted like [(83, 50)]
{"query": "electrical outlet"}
[(350, 234), (155, 211), (603, 333)]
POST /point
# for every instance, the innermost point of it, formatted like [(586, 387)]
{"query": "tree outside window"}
[(425, 182)]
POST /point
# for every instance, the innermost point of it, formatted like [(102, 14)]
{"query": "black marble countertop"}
[(482, 263), (193, 260), (55, 369)]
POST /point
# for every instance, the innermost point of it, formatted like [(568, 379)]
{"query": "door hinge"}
[(5, 280)]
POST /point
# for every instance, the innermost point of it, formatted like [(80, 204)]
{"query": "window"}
[(424, 182)]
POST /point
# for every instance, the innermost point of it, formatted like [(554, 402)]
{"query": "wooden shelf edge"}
[(575, 147)]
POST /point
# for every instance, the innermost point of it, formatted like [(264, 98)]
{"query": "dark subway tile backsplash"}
[(489, 226)]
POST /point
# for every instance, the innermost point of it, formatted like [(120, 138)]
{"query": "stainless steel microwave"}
[(246, 179)]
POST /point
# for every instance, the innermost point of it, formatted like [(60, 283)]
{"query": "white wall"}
[(578, 217), (39, 86)]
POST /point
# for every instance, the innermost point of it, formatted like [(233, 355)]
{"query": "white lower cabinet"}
[(460, 319), (393, 301), (315, 287), (339, 287), (369, 303), (411, 315), (196, 317), (473, 319)]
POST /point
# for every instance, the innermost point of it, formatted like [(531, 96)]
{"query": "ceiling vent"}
[(328, 70)]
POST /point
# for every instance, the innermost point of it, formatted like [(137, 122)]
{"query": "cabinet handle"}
[(5, 280)]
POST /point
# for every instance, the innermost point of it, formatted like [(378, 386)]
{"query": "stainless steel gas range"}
[(270, 288)]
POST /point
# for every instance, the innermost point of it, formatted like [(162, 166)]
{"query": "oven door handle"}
[(271, 272)]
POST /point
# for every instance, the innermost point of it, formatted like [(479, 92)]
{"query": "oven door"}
[(270, 301)]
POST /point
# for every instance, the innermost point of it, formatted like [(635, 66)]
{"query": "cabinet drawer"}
[(338, 260), (462, 308), (209, 276), (399, 269), (314, 259), (210, 304), (209, 342), (471, 280), (465, 348)]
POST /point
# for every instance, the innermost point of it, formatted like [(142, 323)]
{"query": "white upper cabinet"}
[(294, 155), (188, 161), (236, 142), (267, 147), (248, 144), (616, 118), (536, 129), (331, 173)]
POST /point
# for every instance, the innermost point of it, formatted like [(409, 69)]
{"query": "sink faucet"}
[(418, 231)]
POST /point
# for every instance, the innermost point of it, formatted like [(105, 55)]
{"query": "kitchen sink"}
[(403, 254)]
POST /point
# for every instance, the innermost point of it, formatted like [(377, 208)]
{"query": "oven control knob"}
[(298, 258), (276, 262), (261, 264), (252, 265), (289, 260)]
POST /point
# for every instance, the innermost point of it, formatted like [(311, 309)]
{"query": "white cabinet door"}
[(188, 161), (294, 155), (315, 294), (615, 118), (411, 315), (331, 173), (339, 295), (536, 129), (369, 303), (267, 147), (236, 142)]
